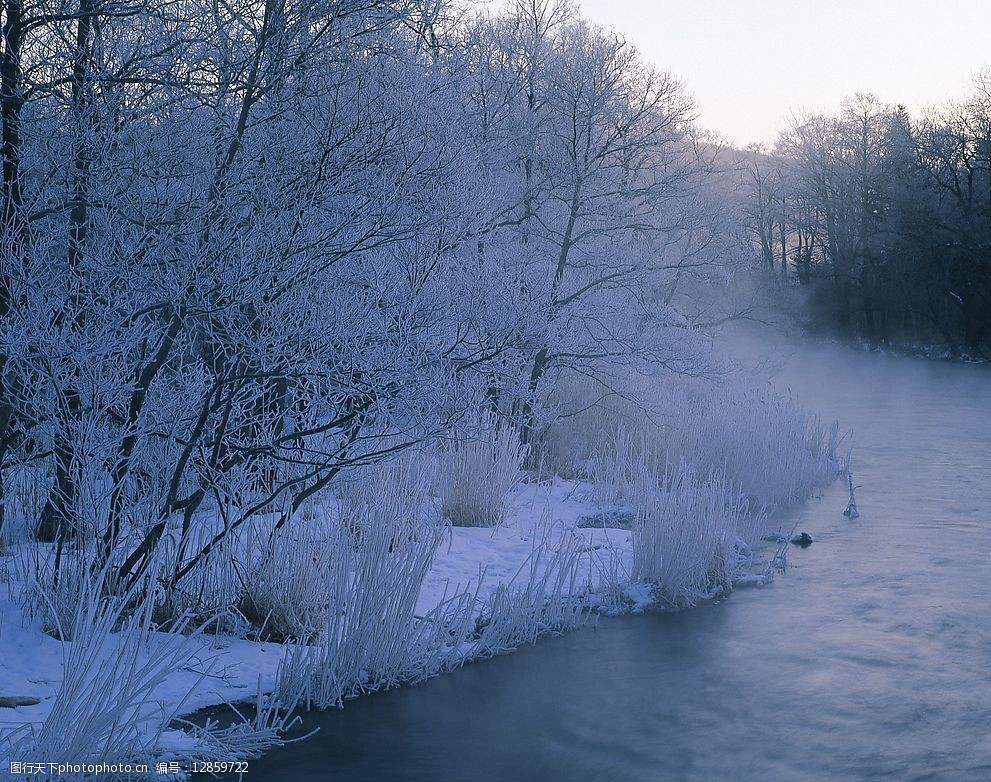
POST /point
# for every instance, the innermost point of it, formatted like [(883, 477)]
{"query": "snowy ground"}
[(228, 670), (550, 509)]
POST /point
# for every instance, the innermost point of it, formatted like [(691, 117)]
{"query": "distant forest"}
[(885, 219)]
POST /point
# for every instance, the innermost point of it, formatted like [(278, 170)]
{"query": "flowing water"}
[(870, 659)]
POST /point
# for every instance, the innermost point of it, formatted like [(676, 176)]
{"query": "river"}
[(869, 659)]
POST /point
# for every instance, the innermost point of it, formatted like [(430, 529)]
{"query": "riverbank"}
[(227, 669), (222, 669), (377, 588)]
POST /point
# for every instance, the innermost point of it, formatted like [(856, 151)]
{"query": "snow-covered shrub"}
[(105, 706), (775, 450), (373, 561), (57, 586), (691, 531), (285, 587), (373, 641), (624, 462), (108, 708), (686, 531), (548, 599), (583, 415), (477, 471), (701, 483), (207, 596)]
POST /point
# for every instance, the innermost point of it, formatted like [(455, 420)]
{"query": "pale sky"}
[(749, 62)]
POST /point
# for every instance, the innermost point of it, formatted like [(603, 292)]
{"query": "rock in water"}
[(802, 539)]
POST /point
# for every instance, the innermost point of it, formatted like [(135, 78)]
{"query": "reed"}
[(477, 472)]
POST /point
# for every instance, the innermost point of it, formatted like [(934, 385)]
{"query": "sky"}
[(750, 63)]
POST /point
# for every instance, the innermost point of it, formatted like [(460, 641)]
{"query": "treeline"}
[(886, 218), (249, 245)]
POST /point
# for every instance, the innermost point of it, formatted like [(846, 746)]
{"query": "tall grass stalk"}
[(105, 707), (687, 533), (372, 566), (545, 598), (478, 471)]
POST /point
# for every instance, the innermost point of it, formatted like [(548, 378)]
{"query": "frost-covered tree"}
[(251, 246), (603, 199)]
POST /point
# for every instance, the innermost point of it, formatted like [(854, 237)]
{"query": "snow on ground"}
[(228, 670), (222, 669), (536, 511)]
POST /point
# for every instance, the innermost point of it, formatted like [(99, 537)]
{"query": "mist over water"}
[(868, 660)]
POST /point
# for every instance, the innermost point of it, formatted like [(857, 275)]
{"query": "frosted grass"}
[(477, 471)]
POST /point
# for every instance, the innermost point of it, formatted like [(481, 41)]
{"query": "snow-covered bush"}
[(546, 598), (686, 531), (583, 415), (285, 589), (477, 471), (207, 597), (105, 706), (775, 450), (371, 566), (701, 477), (57, 586), (108, 708)]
